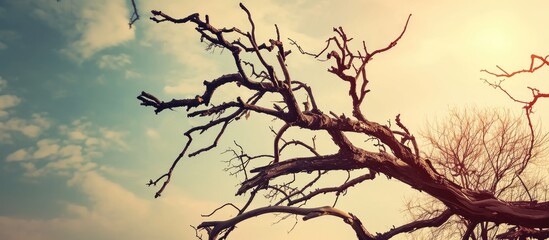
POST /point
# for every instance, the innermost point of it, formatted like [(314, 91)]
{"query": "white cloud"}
[(111, 171), (31, 170), (93, 137), (92, 141), (152, 133), (114, 213), (185, 88), (69, 153), (29, 128), (77, 135), (23, 126), (105, 24), (113, 136), (18, 155), (40, 120), (7, 101), (181, 41), (68, 165), (81, 123), (70, 158), (46, 148), (113, 61), (91, 26), (65, 159), (129, 74)]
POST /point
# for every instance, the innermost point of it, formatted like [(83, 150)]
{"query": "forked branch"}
[(399, 161)]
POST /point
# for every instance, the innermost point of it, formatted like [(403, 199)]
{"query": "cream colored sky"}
[(436, 64)]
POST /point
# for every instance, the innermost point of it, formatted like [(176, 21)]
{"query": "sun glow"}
[(496, 36), (493, 39), (493, 29)]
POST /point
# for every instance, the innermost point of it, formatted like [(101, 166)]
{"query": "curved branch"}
[(277, 139), (531, 69), (219, 208), (308, 213), (296, 142), (478, 206), (338, 190), (410, 227)]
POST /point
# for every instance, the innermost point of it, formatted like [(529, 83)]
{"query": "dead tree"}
[(483, 150), (396, 154)]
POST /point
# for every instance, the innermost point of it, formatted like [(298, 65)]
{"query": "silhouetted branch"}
[(418, 224), (308, 213), (517, 233), (531, 69), (337, 190), (135, 14), (219, 208), (393, 157)]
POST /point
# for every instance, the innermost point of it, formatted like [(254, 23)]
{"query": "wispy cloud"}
[(46, 148), (69, 152), (185, 88), (91, 26), (113, 138), (8, 101), (152, 133), (179, 42), (117, 213), (31, 128), (182, 44), (105, 25), (18, 155), (113, 61), (107, 218), (129, 74)]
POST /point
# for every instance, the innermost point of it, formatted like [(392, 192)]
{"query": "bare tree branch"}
[(308, 213), (278, 178), (135, 14), (410, 227)]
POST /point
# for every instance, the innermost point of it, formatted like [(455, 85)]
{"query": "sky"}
[(76, 149)]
